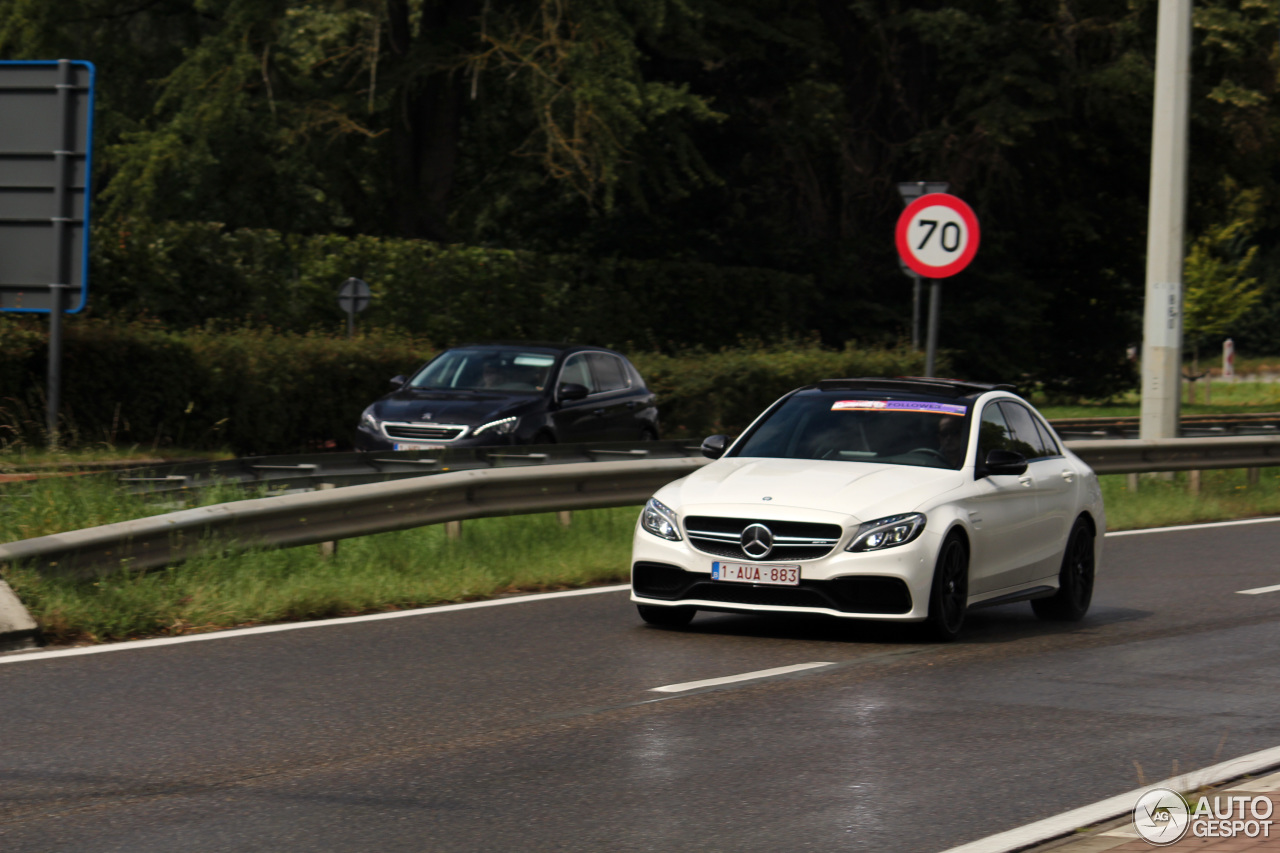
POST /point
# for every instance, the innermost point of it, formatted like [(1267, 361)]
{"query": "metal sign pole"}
[(63, 155), (915, 311), (935, 304)]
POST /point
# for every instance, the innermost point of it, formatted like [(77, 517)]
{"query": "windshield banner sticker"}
[(898, 406)]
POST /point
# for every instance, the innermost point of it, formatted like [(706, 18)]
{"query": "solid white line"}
[(1258, 590), (1113, 807), (24, 657), (1205, 526), (746, 676)]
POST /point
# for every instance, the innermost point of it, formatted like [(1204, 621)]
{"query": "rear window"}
[(852, 427)]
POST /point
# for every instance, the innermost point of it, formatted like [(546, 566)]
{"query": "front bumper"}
[(889, 585), (368, 439)]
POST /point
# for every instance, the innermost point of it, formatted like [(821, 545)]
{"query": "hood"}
[(864, 490), (450, 407)]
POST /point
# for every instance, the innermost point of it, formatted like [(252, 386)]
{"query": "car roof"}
[(926, 386), (542, 345)]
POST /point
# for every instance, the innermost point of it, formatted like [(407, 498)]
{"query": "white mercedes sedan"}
[(906, 500)]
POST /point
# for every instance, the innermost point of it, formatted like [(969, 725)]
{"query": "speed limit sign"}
[(937, 235)]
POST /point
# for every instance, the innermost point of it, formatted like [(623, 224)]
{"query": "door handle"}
[(1069, 475), (599, 413), (1025, 481)]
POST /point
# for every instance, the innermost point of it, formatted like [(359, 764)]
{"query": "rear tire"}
[(667, 617), (949, 595), (1075, 581), (545, 437)]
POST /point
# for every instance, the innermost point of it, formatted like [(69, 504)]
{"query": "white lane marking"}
[(23, 657), (1205, 526), (746, 676), (1258, 590), (1113, 807)]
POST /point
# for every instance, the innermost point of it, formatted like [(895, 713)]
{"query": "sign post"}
[(937, 236), (353, 296), (910, 191), (46, 140)]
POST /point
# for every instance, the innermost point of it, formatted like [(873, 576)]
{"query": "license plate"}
[(745, 573), (401, 445)]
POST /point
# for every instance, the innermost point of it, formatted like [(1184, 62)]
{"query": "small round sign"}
[(937, 235), (353, 295)]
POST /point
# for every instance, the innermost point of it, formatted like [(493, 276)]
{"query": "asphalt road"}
[(534, 726)]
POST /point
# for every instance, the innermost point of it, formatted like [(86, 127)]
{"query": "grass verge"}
[(1224, 495), (389, 571)]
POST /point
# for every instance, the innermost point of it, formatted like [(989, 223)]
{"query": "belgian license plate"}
[(746, 573), (406, 445)]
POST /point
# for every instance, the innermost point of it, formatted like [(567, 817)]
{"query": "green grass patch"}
[(1225, 398), (1224, 495), (391, 571)]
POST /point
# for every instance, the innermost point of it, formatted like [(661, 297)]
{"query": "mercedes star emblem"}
[(757, 541)]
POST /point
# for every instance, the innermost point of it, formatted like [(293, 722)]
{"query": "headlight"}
[(506, 426), (660, 520), (887, 532), (368, 419)]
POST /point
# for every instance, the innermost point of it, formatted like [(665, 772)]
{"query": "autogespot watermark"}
[(1162, 816)]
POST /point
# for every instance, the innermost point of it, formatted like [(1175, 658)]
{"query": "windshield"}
[(856, 428), (511, 371)]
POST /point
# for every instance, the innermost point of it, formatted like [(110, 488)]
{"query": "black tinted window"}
[(575, 370), (993, 432), (609, 373), (1026, 439)]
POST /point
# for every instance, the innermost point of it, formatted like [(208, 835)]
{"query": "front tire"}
[(667, 617), (949, 595), (1075, 581)]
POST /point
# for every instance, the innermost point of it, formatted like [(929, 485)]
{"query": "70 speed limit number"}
[(937, 235)]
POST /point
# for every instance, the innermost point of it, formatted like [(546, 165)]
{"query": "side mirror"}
[(398, 380), (713, 446), (571, 391), (1005, 462)]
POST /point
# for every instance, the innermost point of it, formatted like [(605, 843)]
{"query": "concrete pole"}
[(1162, 315)]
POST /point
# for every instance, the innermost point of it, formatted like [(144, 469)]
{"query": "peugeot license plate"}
[(746, 573)]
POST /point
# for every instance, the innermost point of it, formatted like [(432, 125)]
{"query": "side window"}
[(575, 370), (1046, 440), (993, 432), (608, 372), (1026, 438)]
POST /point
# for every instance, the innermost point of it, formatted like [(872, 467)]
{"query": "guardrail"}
[(1189, 426), (321, 516)]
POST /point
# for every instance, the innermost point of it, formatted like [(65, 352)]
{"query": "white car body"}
[(1015, 527)]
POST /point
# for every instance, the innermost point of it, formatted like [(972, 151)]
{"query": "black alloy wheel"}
[(667, 617), (949, 597), (1075, 581)]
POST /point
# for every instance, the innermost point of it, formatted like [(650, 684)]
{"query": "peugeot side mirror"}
[(1005, 462), (713, 446), (398, 380), (571, 391)]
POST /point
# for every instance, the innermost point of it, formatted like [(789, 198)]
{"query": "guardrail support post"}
[(565, 518), (1193, 480), (327, 549), (1252, 475), (1131, 481), (453, 529)]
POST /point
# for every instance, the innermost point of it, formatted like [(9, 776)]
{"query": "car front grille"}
[(423, 432), (850, 594), (792, 540)]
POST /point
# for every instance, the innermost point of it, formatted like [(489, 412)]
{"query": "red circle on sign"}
[(972, 235)]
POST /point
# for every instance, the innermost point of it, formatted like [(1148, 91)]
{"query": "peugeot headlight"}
[(887, 532), (660, 520), (505, 426), (368, 419)]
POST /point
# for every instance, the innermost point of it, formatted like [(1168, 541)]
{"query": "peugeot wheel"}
[(1075, 582), (949, 596), (668, 617)]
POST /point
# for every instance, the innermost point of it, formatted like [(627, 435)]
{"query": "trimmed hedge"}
[(261, 391), (188, 274)]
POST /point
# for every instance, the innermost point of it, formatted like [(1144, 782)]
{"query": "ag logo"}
[(1161, 816)]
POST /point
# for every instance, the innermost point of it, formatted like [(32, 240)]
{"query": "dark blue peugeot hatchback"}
[(486, 394)]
